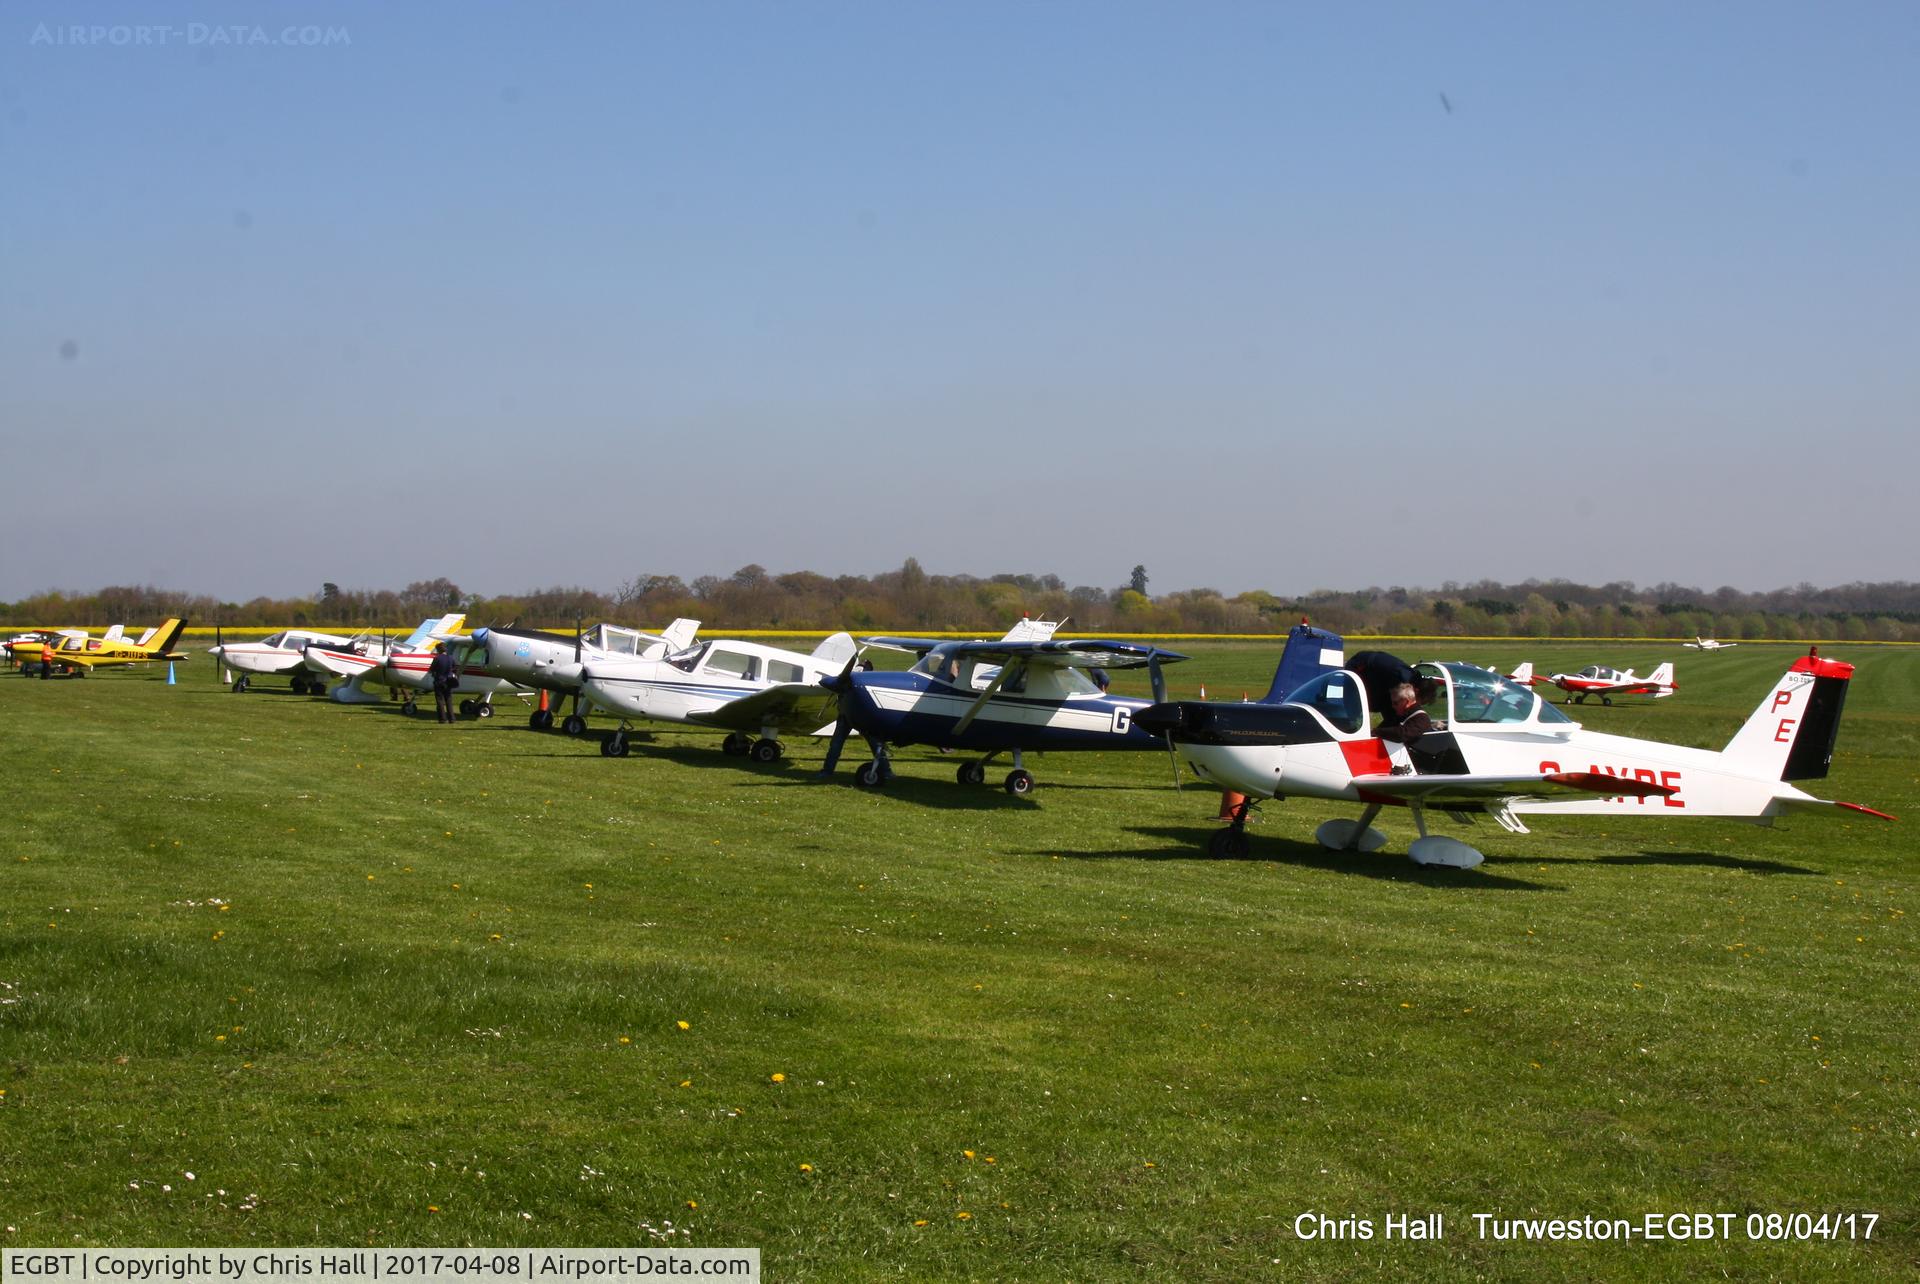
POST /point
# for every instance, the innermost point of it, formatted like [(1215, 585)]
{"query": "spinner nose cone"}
[(1162, 719)]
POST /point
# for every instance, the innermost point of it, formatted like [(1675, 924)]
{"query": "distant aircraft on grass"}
[(1501, 751), (82, 655), (277, 655), (1599, 680), (1707, 644)]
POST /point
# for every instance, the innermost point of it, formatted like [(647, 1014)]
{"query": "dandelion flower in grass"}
[(991, 1160), (963, 1216), (683, 1025), (219, 1038), (777, 1077), (920, 1222), (686, 1083), (693, 1203), (967, 1153), (625, 1039), (806, 1168), (433, 1208)]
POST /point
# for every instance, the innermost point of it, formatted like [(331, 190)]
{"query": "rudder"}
[(1794, 730)]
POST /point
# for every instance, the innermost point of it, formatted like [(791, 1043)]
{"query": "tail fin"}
[(1663, 676), (1026, 630), (170, 631), (1310, 652), (418, 638), (1522, 673), (1793, 731)]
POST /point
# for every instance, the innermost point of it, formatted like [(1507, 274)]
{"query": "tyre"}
[(1019, 782)]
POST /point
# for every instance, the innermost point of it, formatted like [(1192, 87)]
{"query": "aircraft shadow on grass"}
[(940, 795), (1709, 860), (1189, 844)]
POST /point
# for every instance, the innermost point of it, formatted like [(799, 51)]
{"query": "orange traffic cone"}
[(1230, 804)]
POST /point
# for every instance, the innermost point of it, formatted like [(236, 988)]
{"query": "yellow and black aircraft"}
[(78, 655)]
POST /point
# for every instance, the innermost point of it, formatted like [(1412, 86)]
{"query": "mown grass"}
[(374, 980)]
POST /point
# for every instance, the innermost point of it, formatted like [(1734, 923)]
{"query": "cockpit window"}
[(1481, 696), (1337, 696), (733, 664), (939, 663), (689, 659), (274, 640)]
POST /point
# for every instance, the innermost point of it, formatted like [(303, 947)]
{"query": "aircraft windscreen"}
[(938, 663), (687, 660), (1338, 698), (1481, 696), (274, 640)]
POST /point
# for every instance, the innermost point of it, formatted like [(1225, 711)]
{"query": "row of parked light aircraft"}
[(1496, 748)]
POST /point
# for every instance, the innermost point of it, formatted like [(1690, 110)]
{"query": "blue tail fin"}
[(1310, 652)]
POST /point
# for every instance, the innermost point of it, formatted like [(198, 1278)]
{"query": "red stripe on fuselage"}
[(1366, 757)]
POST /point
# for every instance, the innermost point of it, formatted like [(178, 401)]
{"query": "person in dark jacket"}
[(446, 676), (1380, 673)]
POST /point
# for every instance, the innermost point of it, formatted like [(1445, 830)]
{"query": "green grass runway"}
[(376, 981)]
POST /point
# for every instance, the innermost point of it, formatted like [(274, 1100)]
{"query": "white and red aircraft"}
[(1707, 644), (1599, 680), (402, 667), (1501, 750), (278, 654)]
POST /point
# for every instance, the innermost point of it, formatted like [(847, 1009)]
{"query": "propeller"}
[(1158, 680), (842, 685), (219, 649), (578, 638)]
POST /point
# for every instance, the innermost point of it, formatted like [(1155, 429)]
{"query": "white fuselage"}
[(697, 680), (281, 653)]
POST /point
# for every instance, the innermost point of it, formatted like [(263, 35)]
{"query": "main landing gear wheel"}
[(737, 744), (614, 746), (1607, 700), (574, 724), (466, 708), (542, 720), (1019, 782), (299, 684), (483, 709), (409, 707), (239, 683), (765, 751), (869, 775), (971, 773), (1227, 844)]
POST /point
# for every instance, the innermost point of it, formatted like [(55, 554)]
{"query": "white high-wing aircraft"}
[(277, 654), (1707, 644), (697, 684), (554, 661), (1501, 750), (1599, 680)]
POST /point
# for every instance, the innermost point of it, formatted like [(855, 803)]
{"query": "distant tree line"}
[(909, 599)]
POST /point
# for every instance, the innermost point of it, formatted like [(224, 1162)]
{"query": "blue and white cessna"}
[(1025, 691)]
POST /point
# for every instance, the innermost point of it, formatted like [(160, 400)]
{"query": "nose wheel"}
[(767, 750), (615, 745)]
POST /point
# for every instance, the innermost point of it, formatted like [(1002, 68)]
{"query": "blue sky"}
[(1259, 295)]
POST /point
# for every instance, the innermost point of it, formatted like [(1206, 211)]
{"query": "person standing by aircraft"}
[(446, 675)]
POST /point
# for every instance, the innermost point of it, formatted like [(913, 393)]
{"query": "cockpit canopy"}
[(1465, 696), (1602, 672), (955, 667)]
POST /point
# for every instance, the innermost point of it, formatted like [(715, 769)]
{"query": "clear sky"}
[(1278, 295)]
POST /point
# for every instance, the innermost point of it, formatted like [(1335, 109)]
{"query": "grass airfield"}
[(276, 971)]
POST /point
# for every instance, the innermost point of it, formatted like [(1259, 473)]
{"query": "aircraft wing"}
[(804, 707), (1472, 791), (1080, 653)]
